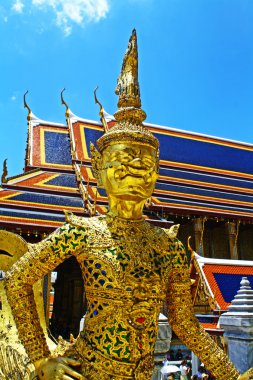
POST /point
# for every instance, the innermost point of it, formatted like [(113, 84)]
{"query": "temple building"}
[(215, 283), (205, 184)]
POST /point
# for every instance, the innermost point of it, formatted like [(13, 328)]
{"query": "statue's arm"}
[(40, 259), (185, 324)]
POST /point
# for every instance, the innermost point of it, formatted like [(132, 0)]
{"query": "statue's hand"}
[(57, 369), (247, 375)]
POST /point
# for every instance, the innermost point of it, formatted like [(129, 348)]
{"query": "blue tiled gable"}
[(229, 284), (57, 148), (91, 135)]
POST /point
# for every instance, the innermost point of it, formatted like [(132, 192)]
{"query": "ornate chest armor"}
[(125, 269)]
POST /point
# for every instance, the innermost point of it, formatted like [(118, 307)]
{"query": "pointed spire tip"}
[(128, 88)]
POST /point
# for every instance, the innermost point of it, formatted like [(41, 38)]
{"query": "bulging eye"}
[(148, 161), (126, 158)]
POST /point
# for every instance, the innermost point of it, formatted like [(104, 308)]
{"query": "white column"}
[(195, 363)]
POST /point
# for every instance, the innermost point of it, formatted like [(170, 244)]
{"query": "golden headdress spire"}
[(128, 86), (129, 116)]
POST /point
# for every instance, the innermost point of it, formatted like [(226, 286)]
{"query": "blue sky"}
[(195, 63)]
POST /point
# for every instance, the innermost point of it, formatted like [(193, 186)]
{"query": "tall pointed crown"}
[(129, 116)]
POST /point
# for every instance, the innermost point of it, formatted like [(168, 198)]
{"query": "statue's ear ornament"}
[(96, 163)]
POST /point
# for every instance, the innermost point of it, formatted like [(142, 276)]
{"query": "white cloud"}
[(18, 6), (69, 12), (13, 98)]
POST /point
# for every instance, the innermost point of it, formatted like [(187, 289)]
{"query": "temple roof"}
[(218, 280), (199, 174)]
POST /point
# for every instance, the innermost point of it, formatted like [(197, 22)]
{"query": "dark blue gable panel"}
[(229, 284), (91, 135), (57, 148)]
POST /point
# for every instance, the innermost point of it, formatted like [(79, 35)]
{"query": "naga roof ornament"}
[(5, 172), (67, 113), (129, 116), (101, 111), (30, 114)]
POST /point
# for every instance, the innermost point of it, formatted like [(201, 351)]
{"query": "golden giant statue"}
[(129, 267)]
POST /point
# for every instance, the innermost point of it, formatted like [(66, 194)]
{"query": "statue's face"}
[(129, 171)]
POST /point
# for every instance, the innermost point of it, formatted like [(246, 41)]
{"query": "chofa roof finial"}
[(5, 172), (101, 111), (26, 106), (64, 103)]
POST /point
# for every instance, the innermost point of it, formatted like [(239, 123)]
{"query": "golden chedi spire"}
[(129, 116)]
